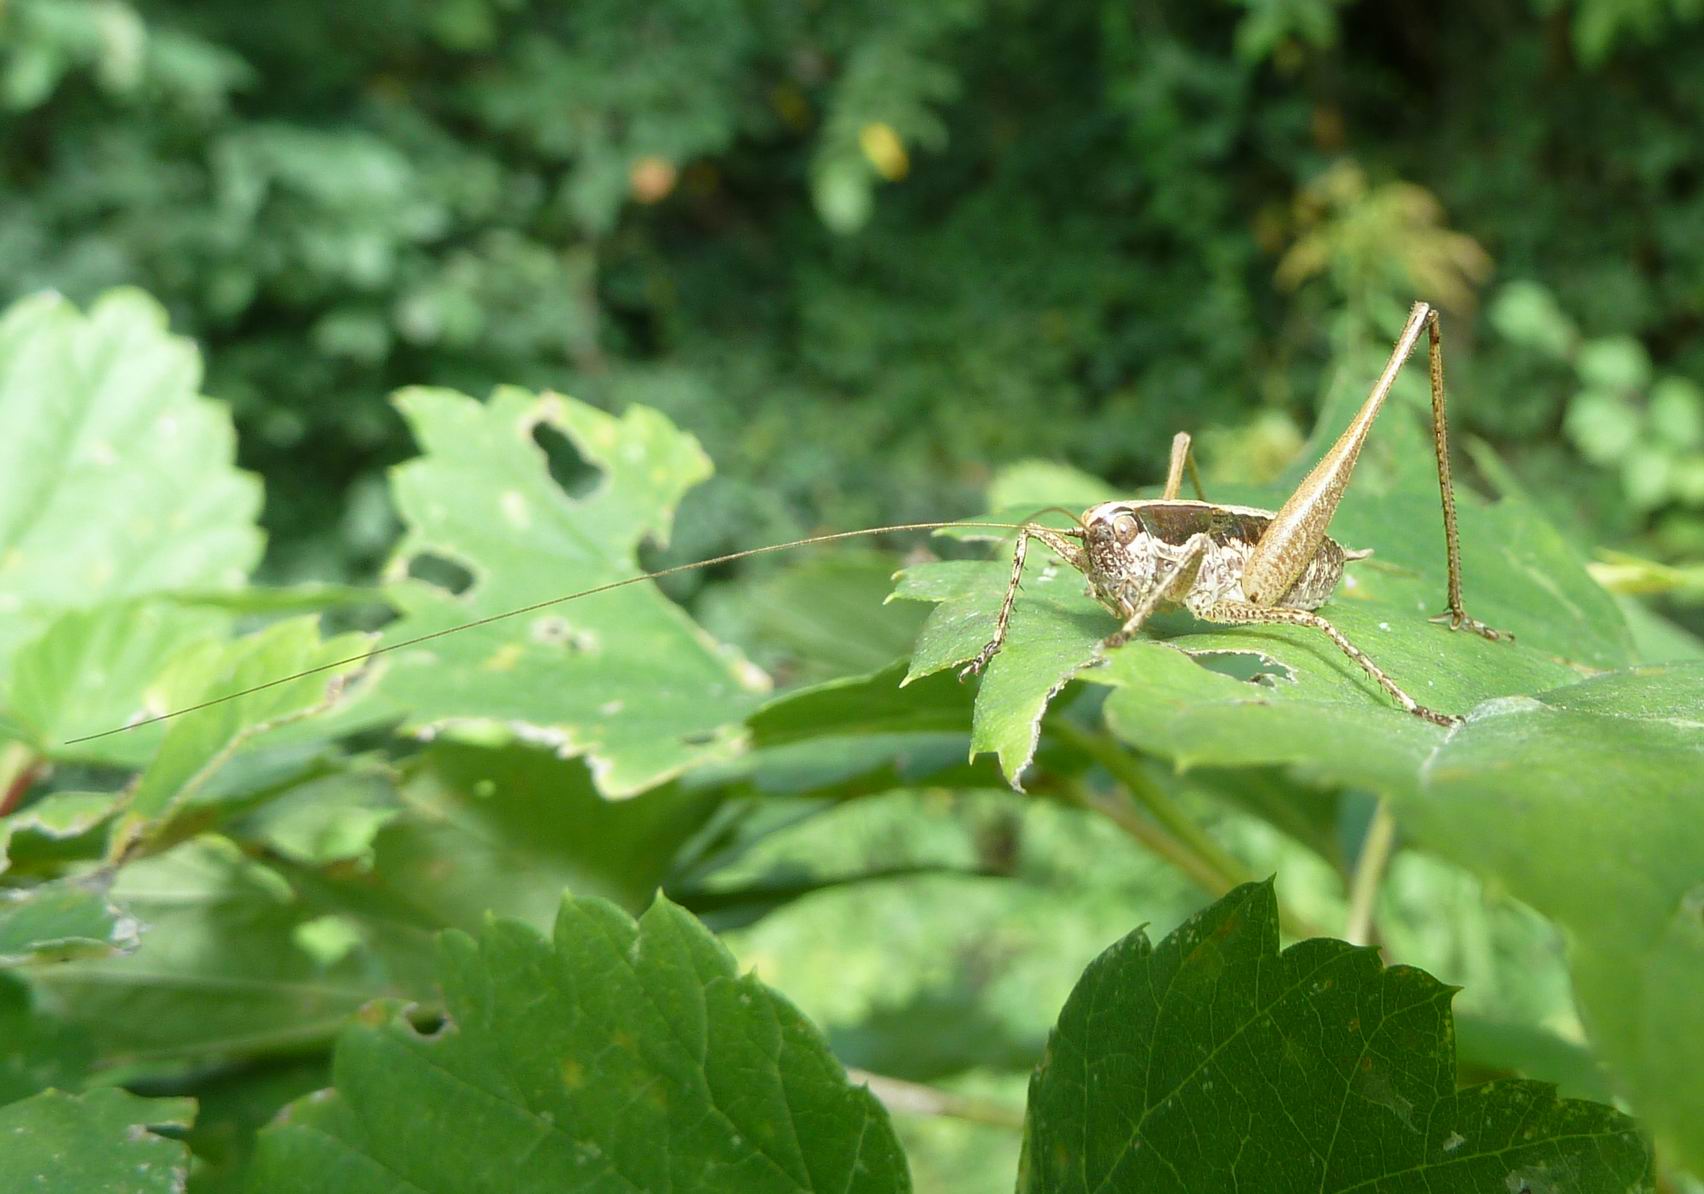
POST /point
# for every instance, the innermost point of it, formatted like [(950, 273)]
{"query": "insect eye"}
[(1124, 526)]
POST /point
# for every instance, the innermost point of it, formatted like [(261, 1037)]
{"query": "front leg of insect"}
[(1060, 542)]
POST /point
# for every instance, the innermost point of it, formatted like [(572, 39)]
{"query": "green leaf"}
[(1582, 801), (115, 476), (93, 670), (68, 1144), (1214, 1062), (506, 830), (196, 745), (824, 617), (225, 967), (1053, 633), (622, 1056), (56, 817), (627, 679), (41, 1050), (71, 918)]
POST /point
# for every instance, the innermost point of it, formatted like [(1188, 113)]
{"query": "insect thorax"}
[(1132, 547)]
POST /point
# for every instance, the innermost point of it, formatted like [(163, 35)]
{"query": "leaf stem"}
[(1123, 767), (1369, 874), (18, 770), (1123, 814), (913, 1098), (1177, 838)]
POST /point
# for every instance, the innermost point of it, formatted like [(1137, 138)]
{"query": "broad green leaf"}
[(61, 1143), (823, 617), (40, 1050), (115, 476), (1582, 800), (620, 1056), (56, 817), (101, 1140), (69, 918), (1212, 1061), (96, 669), (229, 964), (506, 830), (196, 745), (626, 678)]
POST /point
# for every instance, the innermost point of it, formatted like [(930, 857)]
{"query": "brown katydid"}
[(1238, 564), (1224, 563)]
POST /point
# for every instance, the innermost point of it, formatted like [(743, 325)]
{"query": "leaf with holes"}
[(626, 679), (620, 1056), (1214, 1062)]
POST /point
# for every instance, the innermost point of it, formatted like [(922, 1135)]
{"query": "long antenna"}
[(538, 605)]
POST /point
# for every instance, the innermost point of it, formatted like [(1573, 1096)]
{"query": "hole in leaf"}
[(568, 468), (1248, 666), (441, 571)]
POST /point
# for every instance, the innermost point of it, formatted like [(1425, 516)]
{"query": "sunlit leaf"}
[(626, 679), (115, 475)]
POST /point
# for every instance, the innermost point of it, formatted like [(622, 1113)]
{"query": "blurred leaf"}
[(92, 670), (1214, 1061), (622, 1054), (71, 918), (827, 616), (626, 679), (232, 1106), (1603, 426), (1528, 314), (115, 475), (41, 1050), (1615, 364), (1677, 413), (221, 971), (69, 1144), (505, 831), (56, 817), (196, 745)]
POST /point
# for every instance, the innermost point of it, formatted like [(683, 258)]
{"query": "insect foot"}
[(1455, 619), (975, 666)]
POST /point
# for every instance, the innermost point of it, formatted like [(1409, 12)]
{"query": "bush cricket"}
[(1222, 563)]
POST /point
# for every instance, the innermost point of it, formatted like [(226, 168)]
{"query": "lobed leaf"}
[(116, 477), (625, 679), (1214, 1062), (619, 1056)]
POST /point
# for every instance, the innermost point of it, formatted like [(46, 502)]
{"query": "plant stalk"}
[(913, 1098), (1369, 874)]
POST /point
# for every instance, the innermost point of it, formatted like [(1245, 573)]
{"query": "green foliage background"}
[(339, 200), (878, 261)]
